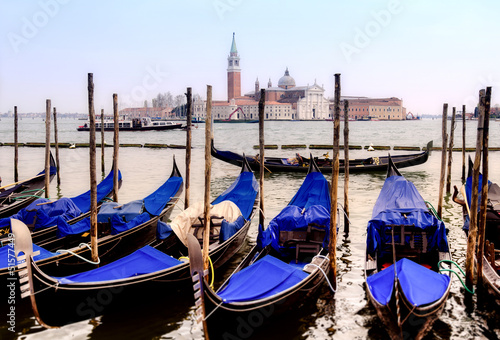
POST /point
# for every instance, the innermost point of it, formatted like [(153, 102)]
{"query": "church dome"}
[(286, 81)]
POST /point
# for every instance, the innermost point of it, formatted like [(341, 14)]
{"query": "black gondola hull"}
[(372, 164), (233, 319), (33, 189)]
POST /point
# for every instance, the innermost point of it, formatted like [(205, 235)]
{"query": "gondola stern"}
[(175, 170), (428, 147), (245, 167), (391, 168), (197, 275), (313, 167), (23, 248), (471, 167)]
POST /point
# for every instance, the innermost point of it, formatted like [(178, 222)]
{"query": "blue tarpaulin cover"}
[(103, 189), (314, 191), (126, 217), (399, 203), (46, 214), (228, 229), (143, 261), (155, 203), (264, 278), (7, 253), (309, 206), (420, 285), (118, 225), (127, 211), (242, 193), (64, 228), (468, 190), (163, 230)]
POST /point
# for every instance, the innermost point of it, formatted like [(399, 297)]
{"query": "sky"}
[(426, 52)]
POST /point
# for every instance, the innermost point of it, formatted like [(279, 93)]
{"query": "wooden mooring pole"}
[(16, 146), (443, 161), (189, 118), (262, 103), (47, 148), (463, 143), (346, 167), (334, 187), (450, 151), (208, 169), (93, 180), (116, 146), (472, 238), (486, 100), (103, 168), (57, 149)]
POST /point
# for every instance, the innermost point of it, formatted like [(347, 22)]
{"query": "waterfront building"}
[(363, 108), (284, 102)]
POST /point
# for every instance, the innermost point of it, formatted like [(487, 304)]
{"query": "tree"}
[(197, 98), (163, 100)]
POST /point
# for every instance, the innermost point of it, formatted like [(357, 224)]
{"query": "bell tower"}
[(233, 73)]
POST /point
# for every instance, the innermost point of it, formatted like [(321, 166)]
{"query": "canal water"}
[(345, 315)]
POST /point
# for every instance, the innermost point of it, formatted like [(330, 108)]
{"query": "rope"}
[(258, 161), (213, 310), (324, 274), (434, 212), (398, 308), (211, 267), (441, 269), (15, 198), (64, 251), (345, 214)]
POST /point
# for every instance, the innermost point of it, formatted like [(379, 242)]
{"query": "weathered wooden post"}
[(103, 168), (47, 148), (116, 146), (16, 146), (335, 179), (93, 180), (463, 143), (208, 169), (57, 148), (189, 118), (450, 151), (484, 190), (471, 241), (262, 104), (443, 161), (346, 167)]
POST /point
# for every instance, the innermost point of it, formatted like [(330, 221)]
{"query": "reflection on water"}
[(347, 315)]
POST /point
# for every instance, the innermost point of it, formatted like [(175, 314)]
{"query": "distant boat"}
[(133, 124)]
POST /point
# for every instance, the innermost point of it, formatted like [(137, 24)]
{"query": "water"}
[(347, 315)]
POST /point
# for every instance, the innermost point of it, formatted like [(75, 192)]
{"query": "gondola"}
[(285, 268), (20, 194), (157, 268), (491, 258), (42, 215), (130, 227), (301, 164), (405, 244)]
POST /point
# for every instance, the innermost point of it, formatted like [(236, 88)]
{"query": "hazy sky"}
[(425, 52)]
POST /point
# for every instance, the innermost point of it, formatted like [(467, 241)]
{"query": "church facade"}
[(284, 102)]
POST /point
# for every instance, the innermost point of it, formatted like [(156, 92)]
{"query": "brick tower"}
[(233, 73)]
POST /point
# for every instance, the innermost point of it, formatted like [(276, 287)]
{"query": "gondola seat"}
[(308, 241), (409, 242)]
